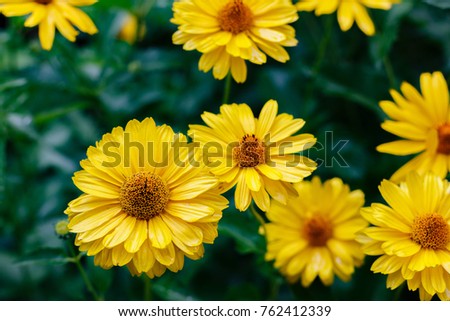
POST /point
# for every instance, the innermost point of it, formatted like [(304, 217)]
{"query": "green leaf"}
[(383, 40), (171, 294), (443, 4), (46, 256), (47, 116), (19, 82), (125, 4), (244, 231)]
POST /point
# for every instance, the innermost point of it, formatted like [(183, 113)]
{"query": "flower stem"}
[(258, 217), (323, 45), (399, 291), (389, 72), (2, 168), (320, 56), (142, 10), (147, 288), (85, 277), (227, 90)]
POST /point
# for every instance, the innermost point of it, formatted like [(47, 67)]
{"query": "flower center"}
[(144, 195), (43, 1), (431, 231), (444, 139), (235, 17), (250, 152), (317, 231)]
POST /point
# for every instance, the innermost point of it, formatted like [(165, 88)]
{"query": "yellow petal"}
[(327, 7), (47, 33), (238, 69), (269, 34), (102, 230), (252, 179), (120, 233), (120, 257), (261, 199), (187, 233), (93, 218), (78, 18), (266, 118), (402, 147), (165, 256), (193, 188), (222, 65), (242, 196), (137, 237), (18, 9), (189, 211), (144, 259), (64, 27), (246, 118), (345, 15), (363, 20), (38, 14), (158, 233), (398, 200), (95, 186)]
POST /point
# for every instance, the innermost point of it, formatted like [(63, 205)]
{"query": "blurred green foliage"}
[(53, 105)]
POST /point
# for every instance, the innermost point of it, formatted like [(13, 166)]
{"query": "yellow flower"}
[(146, 203), (423, 121), (256, 155), (314, 234), (348, 11), (129, 30), (412, 234), (228, 32), (51, 14)]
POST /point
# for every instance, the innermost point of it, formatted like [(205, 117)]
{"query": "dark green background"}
[(53, 105)]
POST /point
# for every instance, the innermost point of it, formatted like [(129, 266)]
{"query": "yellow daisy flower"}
[(423, 121), (255, 155), (146, 204), (348, 11), (51, 14), (412, 234), (314, 234), (228, 32)]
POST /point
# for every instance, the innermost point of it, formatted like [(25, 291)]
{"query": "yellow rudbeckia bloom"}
[(257, 155), (423, 123), (145, 204), (228, 32), (411, 234), (348, 11), (51, 14), (313, 235)]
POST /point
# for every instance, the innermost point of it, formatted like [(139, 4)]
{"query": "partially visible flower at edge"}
[(411, 235), (51, 14), (313, 235), (130, 30), (423, 121), (147, 217), (257, 155), (348, 11), (228, 33)]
